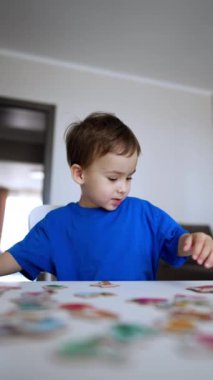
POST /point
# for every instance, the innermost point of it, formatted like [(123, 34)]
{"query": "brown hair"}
[(98, 134)]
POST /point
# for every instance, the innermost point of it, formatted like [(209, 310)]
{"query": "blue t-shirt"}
[(76, 243)]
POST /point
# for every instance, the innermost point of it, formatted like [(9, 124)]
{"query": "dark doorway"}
[(26, 135), (26, 139)]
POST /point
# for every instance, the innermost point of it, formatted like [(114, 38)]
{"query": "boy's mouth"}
[(117, 201)]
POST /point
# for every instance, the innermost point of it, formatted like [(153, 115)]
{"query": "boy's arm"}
[(199, 246), (8, 264)]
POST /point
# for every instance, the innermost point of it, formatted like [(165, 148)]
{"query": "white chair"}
[(37, 214)]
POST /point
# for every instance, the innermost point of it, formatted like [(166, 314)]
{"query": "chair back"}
[(39, 213)]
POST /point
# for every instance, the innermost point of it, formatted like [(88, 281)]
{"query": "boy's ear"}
[(77, 174)]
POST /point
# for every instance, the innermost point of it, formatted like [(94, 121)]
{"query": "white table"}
[(162, 357)]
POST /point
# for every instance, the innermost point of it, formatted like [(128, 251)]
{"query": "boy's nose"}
[(122, 188)]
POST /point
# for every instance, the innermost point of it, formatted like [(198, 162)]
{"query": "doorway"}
[(26, 139)]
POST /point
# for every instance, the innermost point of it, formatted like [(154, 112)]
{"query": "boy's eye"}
[(115, 179), (112, 179)]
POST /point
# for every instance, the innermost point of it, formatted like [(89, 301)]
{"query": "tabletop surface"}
[(117, 330)]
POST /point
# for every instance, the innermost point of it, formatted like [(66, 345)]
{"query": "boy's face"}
[(107, 181)]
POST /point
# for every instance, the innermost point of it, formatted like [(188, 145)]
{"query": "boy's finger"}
[(187, 243), (203, 255), (209, 262), (198, 246)]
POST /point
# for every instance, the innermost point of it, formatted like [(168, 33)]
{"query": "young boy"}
[(106, 235)]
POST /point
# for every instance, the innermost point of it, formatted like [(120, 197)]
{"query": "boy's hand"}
[(199, 245), (8, 264)]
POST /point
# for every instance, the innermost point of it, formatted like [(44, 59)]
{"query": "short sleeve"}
[(33, 253), (169, 233)]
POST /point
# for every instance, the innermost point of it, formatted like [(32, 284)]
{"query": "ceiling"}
[(164, 40), (160, 40)]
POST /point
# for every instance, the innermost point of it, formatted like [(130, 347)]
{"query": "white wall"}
[(174, 127)]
